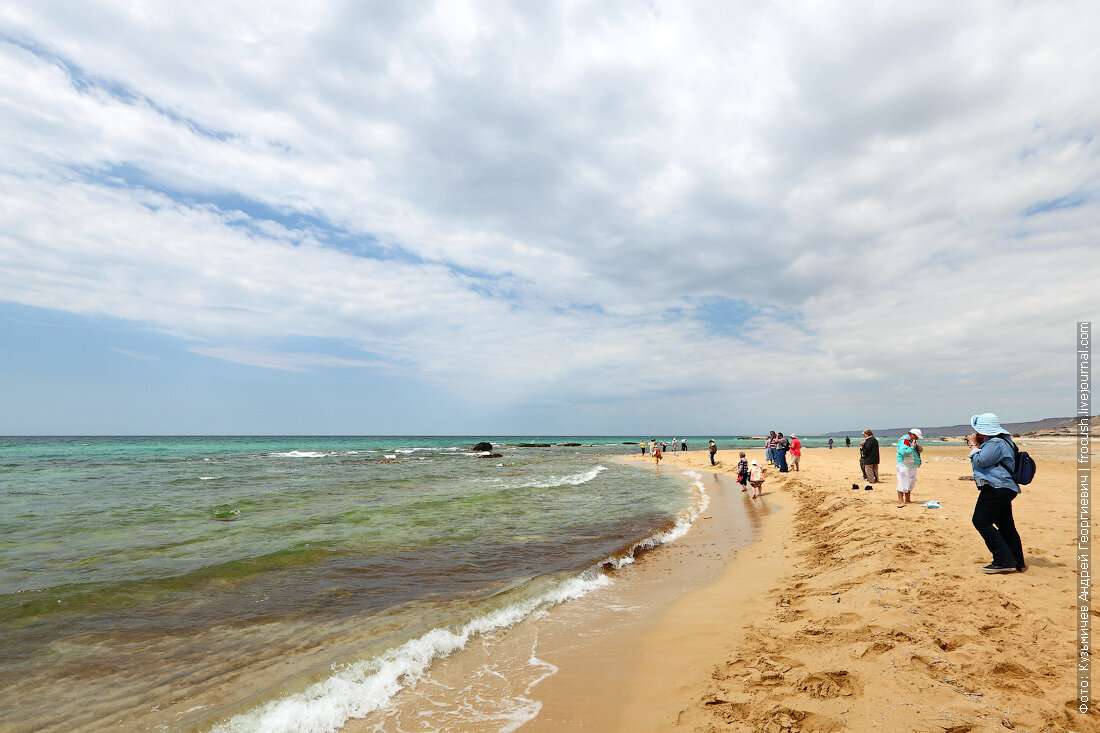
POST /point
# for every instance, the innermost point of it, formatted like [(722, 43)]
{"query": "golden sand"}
[(849, 613)]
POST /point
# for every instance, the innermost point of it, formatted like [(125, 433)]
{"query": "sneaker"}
[(995, 568)]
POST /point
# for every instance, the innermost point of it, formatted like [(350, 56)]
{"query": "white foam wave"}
[(300, 454), (208, 478), (683, 523), (575, 479), (390, 455), (362, 687)]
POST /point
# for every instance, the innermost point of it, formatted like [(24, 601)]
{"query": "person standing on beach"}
[(909, 451), (993, 459), (830, 443), (868, 456), (657, 455), (663, 448), (782, 445), (847, 442), (683, 444), (769, 448), (713, 451), (796, 451), (642, 444), (742, 471)]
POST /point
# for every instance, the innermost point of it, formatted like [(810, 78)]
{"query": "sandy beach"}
[(848, 613)]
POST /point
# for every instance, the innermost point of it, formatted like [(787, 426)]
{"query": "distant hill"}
[(1051, 425)]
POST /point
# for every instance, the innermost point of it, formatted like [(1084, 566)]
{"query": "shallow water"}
[(181, 583)]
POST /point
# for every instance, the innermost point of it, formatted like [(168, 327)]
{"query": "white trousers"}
[(907, 478)]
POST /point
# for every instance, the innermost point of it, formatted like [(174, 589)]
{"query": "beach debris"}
[(966, 478), (931, 505)]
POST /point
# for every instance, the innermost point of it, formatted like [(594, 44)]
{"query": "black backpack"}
[(1023, 469)]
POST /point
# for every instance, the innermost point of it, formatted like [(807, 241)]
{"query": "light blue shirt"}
[(993, 462)]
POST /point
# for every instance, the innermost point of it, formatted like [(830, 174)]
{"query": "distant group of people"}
[(995, 460), (655, 449), (776, 447)]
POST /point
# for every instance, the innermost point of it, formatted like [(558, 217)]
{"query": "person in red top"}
[(796, 451)]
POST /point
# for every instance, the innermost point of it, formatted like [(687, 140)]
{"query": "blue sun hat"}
[(987, 424)]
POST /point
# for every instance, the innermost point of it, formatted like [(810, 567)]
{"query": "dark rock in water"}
[(569, 445), (627, 442), (533, 445), (482, 447), (492, 455)]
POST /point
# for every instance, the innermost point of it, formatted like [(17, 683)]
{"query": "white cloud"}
[(550, 190)]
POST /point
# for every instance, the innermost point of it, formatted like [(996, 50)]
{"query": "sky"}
[(653, 218)]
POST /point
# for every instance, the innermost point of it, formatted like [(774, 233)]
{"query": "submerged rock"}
[(482, 447)]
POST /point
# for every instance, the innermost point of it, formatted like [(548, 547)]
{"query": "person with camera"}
[(993, 460), (909, 450)]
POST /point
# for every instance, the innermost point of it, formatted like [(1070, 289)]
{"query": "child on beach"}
[(657, 456), (743, 472), (756, 478)]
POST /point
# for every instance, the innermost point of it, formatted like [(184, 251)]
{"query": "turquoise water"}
[(178, 583), (185, 583)]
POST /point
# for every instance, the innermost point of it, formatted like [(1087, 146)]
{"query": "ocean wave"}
[(208, 478), (300, 454), (365, 686), (575, 479), (677, 528)]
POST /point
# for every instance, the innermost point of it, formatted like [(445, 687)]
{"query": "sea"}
[(293, 583)]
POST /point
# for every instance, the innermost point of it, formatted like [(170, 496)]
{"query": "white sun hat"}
[(987, 424), (917, 432)]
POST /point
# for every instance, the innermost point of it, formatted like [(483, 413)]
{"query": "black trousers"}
[(993, 520)]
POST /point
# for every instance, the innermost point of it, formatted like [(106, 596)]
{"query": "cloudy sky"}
[(561, 217)]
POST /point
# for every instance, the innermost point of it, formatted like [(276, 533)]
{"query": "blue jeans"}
[(993, 520), (781, 459)]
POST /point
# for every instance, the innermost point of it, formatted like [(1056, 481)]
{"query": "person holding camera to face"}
[(993, 459), (909, 450)]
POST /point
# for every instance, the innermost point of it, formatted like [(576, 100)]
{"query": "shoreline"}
[(556, 668)]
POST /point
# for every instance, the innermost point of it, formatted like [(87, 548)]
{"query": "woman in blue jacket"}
[(993, 458)]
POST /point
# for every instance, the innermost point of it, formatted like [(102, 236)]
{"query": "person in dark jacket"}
[(782, 445), (868, 456)]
